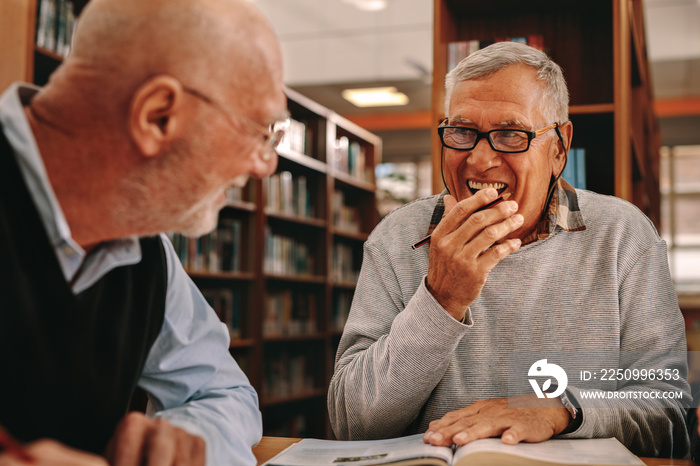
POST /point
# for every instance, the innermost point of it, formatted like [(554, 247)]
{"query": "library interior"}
[(282, 265)]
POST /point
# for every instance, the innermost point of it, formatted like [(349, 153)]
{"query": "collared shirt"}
[(189, 374), (563, 211)]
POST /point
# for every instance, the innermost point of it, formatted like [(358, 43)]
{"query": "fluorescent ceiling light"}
[(368, 5), (375, 97)]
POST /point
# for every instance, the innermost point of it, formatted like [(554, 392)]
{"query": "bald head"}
[(146, 108), (221, 44)]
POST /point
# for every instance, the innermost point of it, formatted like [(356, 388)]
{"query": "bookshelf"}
[(600, 44), (23, 59), (281, 267), (299, 246)]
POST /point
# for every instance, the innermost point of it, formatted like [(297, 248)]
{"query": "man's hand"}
[(501, 417), (462, 251), (140, 440), (52, 453)]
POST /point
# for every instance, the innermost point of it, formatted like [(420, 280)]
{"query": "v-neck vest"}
[(68, 364)]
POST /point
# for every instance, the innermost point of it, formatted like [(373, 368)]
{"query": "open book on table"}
[(411, 450)]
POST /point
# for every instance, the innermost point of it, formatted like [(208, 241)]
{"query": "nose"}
[(482, 157)]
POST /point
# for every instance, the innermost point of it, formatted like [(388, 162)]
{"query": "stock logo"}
[(542, 368)]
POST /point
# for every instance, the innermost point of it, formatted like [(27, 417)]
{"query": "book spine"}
[(286, 192), (581, 168)]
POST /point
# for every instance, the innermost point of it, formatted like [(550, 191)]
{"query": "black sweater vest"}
[(68, 364)]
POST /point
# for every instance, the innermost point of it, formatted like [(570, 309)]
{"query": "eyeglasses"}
[(509, 141), (271, 136)]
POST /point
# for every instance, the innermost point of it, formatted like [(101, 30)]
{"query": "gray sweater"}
[(404, 362)]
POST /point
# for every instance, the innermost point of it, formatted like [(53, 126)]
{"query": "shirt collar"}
[(19, 134), (70, 255), (563, 212)]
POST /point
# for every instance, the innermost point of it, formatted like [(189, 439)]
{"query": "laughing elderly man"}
[(427, 344)]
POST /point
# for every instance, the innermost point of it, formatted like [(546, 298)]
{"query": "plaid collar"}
[(563, 212)]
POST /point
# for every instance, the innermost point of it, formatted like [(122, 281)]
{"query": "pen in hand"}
[(426, 240), (14, 448)]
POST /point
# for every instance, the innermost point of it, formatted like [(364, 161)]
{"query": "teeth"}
[(477, 186)]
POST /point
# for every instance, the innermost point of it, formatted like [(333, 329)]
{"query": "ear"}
[(155, 114), (561, 152)]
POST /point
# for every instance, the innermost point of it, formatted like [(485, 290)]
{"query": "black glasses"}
[(271, 137), (509, 141)]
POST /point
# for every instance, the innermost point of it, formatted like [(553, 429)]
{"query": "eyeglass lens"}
[(503, 140)]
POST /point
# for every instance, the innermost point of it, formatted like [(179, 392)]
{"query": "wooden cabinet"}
[(281, 267), (22, 59), (600, 44), (304, 302)]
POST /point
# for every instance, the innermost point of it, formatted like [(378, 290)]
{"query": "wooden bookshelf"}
[(310, 302), (291, 368), (600, 44)]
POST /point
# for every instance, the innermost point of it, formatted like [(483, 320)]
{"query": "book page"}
[(606, 451), (312, 452)]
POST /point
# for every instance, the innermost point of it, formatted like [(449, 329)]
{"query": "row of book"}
[(457, 51), (344, 269), (219, 251), (575, 170), (288, 374), (236, 193), (294, 137), (55, 24), (345, 216), (289, 313), (294, 427), (289, 194), (227, 305), (285, 255), (350, 157)]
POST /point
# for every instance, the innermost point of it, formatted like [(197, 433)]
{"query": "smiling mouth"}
[(475, 186)]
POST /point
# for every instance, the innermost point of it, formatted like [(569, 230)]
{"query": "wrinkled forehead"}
[(506, 98)]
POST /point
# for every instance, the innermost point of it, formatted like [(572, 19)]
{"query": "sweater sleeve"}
[(652, 337), (390, 357)]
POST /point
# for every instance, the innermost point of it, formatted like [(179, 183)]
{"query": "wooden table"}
[(270, 446)]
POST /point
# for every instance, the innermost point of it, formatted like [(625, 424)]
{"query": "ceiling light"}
[(375, 97), (368, 5)]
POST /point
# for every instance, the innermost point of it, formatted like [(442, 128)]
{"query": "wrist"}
[(573, 410), (459, 312)]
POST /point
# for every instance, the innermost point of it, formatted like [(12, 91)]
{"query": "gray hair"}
[(495, 57)]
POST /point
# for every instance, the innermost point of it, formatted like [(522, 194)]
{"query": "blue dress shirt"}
[(190, 376)]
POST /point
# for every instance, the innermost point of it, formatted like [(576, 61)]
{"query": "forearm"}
[(228, 420), (380, 385)]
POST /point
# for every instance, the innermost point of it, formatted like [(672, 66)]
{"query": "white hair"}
[(495, 57)]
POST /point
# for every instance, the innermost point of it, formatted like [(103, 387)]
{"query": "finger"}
[(484, 428), (480, 222), (127, 443), (496, 254), (445, 435), (473, 409), (47, 451), (191, 449), (461, 211), (512, 435), (441, 431), (450, 202), (160, 445), (492, 234), (482, 229)]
